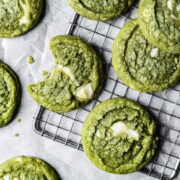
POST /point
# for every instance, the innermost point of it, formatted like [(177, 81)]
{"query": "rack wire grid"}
[(165, 106)]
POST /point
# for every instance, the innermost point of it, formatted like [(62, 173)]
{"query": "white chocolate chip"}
[(84, 92), (98, 134), (26, 9), (67, 71), (120, 127), (15, 178), (24, 20), (133, 134), (154, 52), (178, 7), (170, 4), (6, 177), (173, 16)]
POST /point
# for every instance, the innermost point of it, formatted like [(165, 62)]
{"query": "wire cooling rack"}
[(165, 106)]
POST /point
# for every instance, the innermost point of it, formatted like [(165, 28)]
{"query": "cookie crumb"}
[(30, 60), (18, 120), (44, 73), (16, 135)]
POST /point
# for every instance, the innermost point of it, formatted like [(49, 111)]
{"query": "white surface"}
[(70, 163)]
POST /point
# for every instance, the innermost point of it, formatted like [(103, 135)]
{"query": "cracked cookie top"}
[(9, 94), (74, 81), (141, 65), (160, 23), (27, 168), (100, 10), (118, 136), (18, 16)]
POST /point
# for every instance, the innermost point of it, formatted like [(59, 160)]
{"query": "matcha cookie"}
[(27, 168), (9, 94), (142, 66), (75, 80), (118, 136), (160, 23), (18, 16), (100, 10)]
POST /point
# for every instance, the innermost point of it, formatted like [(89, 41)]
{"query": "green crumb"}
[(16, 135), (18, 120), (45, 73), (30, 60)]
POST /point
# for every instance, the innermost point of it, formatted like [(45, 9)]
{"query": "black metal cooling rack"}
[(165, 106)]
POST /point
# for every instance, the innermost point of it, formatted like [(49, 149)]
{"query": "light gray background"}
[(70, 163)]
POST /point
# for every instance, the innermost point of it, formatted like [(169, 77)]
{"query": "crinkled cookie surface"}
[(27, 168), (142, 66), (9, 94), (160, 23), (18, 16), (101, 9), (76, 78), (118, 136)]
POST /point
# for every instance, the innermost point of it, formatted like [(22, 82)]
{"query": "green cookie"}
[(27, 168), (9, 94), (100, 10), (160, 23), (142, 66), (18, 16), (75, 80), (118, 136)]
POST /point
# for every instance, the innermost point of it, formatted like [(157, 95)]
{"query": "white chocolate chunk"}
[(26, 9), (84, 92), (178, 7), (6, 177), (24, 20), (173, 16), (15, 178), (133, 134), (154, 52), (170, 4), (120, 127), (98, 134), (67, 71)]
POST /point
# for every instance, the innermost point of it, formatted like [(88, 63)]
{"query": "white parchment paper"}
[(70, 163)]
